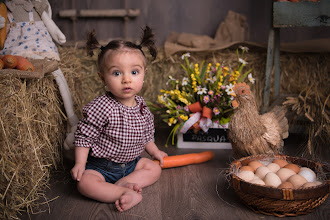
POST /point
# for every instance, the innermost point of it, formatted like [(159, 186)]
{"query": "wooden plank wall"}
[(191, 16)]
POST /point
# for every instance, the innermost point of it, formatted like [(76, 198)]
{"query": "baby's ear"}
[(101, 76)]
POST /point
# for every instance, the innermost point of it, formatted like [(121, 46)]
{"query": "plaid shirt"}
[(114, 131)]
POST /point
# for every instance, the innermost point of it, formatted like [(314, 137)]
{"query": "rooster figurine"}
[(251, 133)]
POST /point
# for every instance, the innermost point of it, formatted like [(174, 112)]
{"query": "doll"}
[(30, 33)]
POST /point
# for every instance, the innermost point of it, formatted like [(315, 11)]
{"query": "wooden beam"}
[(303, 14), (99, 13)]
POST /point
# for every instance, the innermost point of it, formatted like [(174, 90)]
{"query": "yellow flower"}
[(172, 121), (184, 117)]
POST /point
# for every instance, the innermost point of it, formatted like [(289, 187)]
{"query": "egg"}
[(261, 172), (308, 184), (318, 182), (284, 174), (308, 174), (286, 185), (265, 162), (271, 179), (280, 162), (258, 182), (293, 167), (297, 180), (256, 177), (246, 175), (274, 167), (246, 168), (255, 164)]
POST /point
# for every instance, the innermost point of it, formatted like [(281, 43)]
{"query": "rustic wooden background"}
[(190, 16)]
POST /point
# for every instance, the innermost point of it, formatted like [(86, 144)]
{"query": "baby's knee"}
[(85, 186), (156, 169)]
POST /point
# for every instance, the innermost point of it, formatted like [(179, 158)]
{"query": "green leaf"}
[(172, 133), (242, 78)]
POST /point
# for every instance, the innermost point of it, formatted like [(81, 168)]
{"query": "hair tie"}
[(139, 47), (102, 47)]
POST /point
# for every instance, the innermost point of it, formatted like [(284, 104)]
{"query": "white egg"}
[(318, 182), (258, 182), (261, 172), (285, 173), (246, 175), (265, 162), (274, 167), (308, 184), (271, 179), (256, 177), (297, 180), (308, 174)]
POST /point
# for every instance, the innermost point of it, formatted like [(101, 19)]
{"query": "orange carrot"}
[(10, 61), (24, 64), (3, 31), (186, 159)]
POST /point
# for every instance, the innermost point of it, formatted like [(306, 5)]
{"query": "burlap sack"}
[(41, 67), (232, 29), (195, 41)]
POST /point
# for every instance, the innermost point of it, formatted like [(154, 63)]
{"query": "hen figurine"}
[(251, 133)]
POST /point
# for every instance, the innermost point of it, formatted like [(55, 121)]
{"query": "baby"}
[(117, 127)]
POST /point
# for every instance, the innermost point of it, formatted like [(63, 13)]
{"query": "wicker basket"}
[(281, 202), (41, 67)]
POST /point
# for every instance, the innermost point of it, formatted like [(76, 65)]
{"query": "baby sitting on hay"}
[(30, 33)]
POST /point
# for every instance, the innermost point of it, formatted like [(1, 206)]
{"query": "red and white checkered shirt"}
[(114, 131)]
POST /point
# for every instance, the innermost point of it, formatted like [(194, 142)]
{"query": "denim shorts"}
[(111, 171)]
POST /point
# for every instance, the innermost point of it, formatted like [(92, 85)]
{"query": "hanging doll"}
[(30, 33)]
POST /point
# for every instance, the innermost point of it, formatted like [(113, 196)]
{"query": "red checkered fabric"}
[(114, 131)]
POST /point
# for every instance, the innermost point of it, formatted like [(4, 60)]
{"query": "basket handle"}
[(287, 194)]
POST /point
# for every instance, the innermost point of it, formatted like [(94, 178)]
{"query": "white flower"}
[(201, 91), (212, 79), (170, 78), (229, 89), (244, 48), (185, 81), (242, 61), (185, 55), (251, 79)]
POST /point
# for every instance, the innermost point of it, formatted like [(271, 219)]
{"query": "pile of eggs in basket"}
[(279, 174)]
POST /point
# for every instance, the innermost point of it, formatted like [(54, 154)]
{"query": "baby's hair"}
[(147, 40)]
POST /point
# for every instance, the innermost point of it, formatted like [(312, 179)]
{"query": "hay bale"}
[(31, 136), (33, 126)]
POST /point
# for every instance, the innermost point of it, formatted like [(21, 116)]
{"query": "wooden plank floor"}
[(190, 192)]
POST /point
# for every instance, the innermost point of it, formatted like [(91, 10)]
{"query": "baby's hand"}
[(159, 155), (77, 171)]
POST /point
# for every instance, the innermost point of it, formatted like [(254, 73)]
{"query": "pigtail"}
[(92, 43), (148, 41)]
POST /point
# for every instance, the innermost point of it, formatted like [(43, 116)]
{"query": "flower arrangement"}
[(202, 98)]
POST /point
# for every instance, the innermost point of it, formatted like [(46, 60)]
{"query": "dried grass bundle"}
[(311, 104), (31, 136), (33, 126)]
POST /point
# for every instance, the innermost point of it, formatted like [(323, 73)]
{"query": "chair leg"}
[(277, 72), (269, 68)]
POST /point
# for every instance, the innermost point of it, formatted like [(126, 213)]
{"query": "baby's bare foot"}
[(132, 186), (128, 200)]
